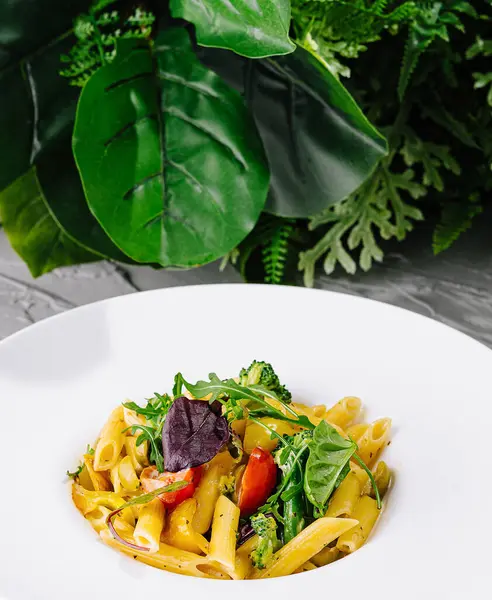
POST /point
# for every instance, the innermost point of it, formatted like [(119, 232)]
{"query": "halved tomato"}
[(152, 480), (258, 481)]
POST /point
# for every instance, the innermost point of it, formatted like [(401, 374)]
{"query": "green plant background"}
[(352, 120)]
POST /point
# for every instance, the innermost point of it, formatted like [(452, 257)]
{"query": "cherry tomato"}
[(152, 480), (258, 481)]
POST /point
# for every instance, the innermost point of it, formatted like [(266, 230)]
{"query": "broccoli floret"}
[(266, 528), (262, 373)]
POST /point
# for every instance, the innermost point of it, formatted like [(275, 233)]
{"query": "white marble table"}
[(455, 288)]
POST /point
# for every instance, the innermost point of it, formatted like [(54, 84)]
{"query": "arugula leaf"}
[(329, 455), (149, 434), (288, 458), (76, 473), (178, 385), (228, 392)]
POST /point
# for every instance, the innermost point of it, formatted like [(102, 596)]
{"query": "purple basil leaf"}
[(192, 434)]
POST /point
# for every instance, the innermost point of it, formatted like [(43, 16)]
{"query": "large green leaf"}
[(37, 113), (254, 28), (33, 232), (171, 163), (319, 144), (32, 35)]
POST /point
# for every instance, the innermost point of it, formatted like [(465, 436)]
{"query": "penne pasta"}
[(98, 519), (111, 441), (138, 454), (305, 545), (257, 436), (179, 531), (326, 556), (99, 481), (167, 558), (382, 476), (224, 530), (345, 498), (313, 413), (130, 417), (373, 440), (127, 475), (355, 432), (87, 501), (366, 513), (149, 525), (208, 491), (344, 412)]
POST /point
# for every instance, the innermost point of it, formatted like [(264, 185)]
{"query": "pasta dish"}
[(231, 479)]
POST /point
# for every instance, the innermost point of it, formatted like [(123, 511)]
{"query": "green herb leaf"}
[(317, 155), (255, 29), (194, 139), (178, 385), (32, 230), (329, 453), (229, 388), (76, 473), (149, 434)]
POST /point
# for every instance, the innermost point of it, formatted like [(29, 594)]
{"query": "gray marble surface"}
[(454, 288)]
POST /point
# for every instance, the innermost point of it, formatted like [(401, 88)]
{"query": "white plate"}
[(60, 378)]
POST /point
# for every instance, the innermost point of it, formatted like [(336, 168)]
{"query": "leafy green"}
[(80, 468), (292, 460), (155, 413), (32, 230), (254, 29), (355, 221), (316, 155), (432, 21), (178, 385), (343, 28), (229, 393), (34, 101), (275, 253), (193, 139), (149, 434), (329, 453), (266, 529), (37, 111), (76, 473), (379, 208), (482, 47), (96, 34), (456, 217)]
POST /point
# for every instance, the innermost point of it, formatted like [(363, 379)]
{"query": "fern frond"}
[(96, 34), (409, 62), (431, 21), (456, 218), (275, 253)]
